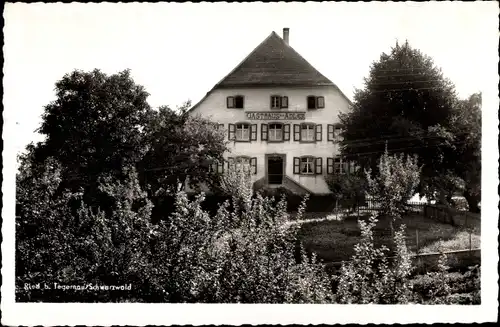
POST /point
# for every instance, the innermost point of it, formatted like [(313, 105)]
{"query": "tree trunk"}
[(472, 201), (391, 225)]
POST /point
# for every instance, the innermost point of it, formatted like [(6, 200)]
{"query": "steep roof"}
[(274, 63)]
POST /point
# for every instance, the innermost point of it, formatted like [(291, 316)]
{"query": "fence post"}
[(418, 247), (470, 241)]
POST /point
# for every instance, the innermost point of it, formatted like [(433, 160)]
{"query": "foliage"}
[(237, 183), (407, 104), (350, 189), (84, 247), (394, 184), (247, 254), (369, 277), (191, 142), (466, 125), (94, 126), (443, 287)]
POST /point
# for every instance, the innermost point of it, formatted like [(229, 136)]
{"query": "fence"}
[(452, 216), (370, 206), (428, 262)]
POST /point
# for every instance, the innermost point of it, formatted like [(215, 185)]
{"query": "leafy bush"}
[(442, 287), (395, 184), (248, 254), (369, 277), (56, 244), (349, 189)]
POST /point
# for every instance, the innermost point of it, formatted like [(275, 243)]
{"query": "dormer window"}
[(315, 102), (235, 102), (279, 102)]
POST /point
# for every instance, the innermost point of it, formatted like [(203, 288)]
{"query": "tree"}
[(466, 126), (349, 188), (180, 147), (394, 184), (406, 104), (94, 126)]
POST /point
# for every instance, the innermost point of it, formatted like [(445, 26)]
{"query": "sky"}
[(180, 51)]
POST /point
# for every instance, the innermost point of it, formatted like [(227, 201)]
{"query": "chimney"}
[(286, 33)]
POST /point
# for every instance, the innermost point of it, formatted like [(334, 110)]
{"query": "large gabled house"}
[(280, 115)]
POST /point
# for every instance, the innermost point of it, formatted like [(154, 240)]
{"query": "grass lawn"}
[(333, 240)]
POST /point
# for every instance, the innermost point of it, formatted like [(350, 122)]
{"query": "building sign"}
[(266, 115)]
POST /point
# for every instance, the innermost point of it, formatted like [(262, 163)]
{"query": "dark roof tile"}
[(274, 63)]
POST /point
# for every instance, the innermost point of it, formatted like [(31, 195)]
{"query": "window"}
[(244, 162), (315, 102), (235, 102), (334, 131), (275, 132), (307, 165), (278, 102), (338, 165), (307, 132), (243, 132), (216, 167)]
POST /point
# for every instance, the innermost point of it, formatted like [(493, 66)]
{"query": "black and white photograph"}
[(215, 163)]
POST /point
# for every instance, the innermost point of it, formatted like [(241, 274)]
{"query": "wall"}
[(258, 99)]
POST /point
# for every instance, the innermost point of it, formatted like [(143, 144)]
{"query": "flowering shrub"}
[(370, 278)]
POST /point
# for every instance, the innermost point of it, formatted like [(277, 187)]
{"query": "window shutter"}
[(319, 165), (220, 167), (253, 164), (253, 132), (284, 102), (319, 132), (296, 132), (286, 132), (320, 102), (230, 102), (330, 133), (296, 165), (263, 132), (329, 165), (231, 132)]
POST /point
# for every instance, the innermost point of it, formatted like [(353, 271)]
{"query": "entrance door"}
[(275, 169)]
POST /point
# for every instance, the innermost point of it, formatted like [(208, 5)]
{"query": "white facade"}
[(214, 107), (281, 116)]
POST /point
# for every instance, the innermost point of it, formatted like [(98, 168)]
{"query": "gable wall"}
[(258, 99)]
